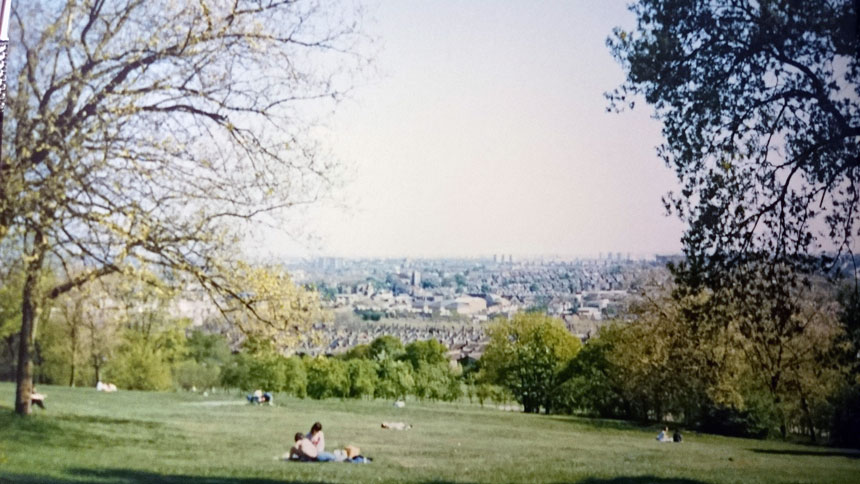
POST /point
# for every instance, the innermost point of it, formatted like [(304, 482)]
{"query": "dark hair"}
[(299, 436), (316, 427)]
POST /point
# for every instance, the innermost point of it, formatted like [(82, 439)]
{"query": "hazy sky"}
[(486, 132)]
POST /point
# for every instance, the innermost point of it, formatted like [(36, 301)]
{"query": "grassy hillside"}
[(138, 437)]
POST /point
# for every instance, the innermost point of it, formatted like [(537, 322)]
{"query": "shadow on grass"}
[(851, 454), (640, 480), (603, 423), (96, 419), (31, 428), (127, 476)]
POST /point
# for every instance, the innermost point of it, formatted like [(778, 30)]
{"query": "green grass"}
[(139, 437)]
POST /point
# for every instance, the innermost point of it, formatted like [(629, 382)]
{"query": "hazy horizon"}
[(486, 132)]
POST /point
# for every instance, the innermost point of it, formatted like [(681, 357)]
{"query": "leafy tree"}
[(788, 342), (190, 374), (140, 364), (436, 381), (271, 309), (592, 382), (327, 377), (236, 373), (848, 297), (760, 105), (386, 347), (295, 377), (266, 372), (430, 351), (363, 377), (63, 342), (395, 379), (208, 348), (845, 424), (146, 134), (10, 305), (207, 354), (526, 354), (358, 352)]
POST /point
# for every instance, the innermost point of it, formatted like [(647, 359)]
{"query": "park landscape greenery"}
[(140, 141), (161, 437)]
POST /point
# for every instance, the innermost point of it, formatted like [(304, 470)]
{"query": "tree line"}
[(729, 363), (718, 364)]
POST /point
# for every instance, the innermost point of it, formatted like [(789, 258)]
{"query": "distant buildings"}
[(427, 295)]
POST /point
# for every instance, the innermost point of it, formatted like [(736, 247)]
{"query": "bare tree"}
[(140, 131)]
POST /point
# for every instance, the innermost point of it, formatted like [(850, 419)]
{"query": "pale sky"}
[(486, 132)]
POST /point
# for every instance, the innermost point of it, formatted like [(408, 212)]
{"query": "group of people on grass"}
[(310, 447), (663, 436)]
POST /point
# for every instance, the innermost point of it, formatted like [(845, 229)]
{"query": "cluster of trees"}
[(760, 107), (125, 331), (384, 368), (723, 366), (121, 330), (722, 363)]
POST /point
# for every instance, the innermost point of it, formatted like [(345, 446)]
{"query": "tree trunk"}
[(72, 374), (29, 308), (74, 344), (810, 425), (24, 376)]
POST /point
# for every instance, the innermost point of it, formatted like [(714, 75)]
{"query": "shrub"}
[(363, 378), (430, 352), (139, 366), (190, 374), (358, 352), (267, 372), (386, 346), (436, 382), (395, 379), (327, 377), (295, 377), (235, 373)]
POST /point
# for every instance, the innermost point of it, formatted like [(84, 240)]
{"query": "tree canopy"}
[(527, 354), (141, 135), (760, 106)]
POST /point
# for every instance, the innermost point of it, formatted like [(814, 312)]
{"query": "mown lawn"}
[(139, 437)]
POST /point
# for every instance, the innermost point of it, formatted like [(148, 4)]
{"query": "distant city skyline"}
[(486, 132)]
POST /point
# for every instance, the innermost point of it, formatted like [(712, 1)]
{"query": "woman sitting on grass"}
[(316, 437)]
